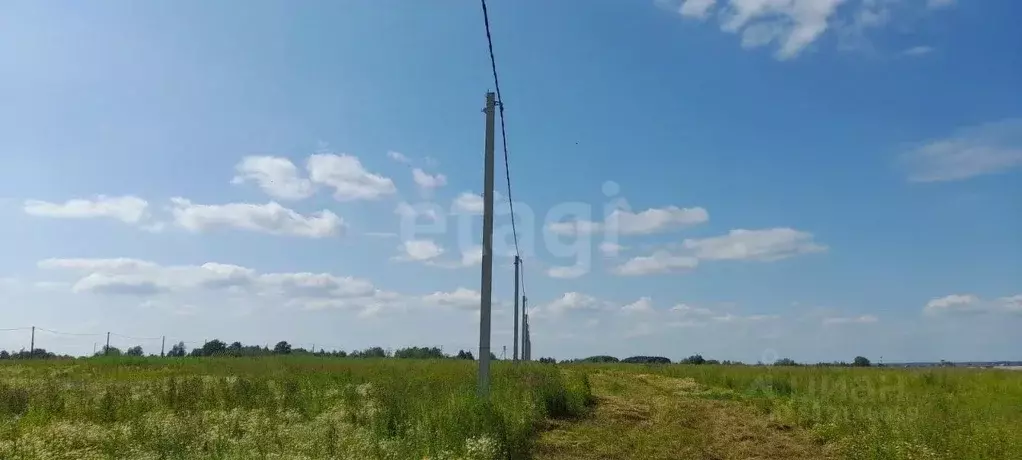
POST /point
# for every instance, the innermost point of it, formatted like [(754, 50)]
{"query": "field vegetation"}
[(417, 403), (284, 407), (870, 412)]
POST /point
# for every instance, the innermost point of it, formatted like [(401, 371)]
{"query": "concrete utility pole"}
[(515, 346), (106, 350), (486, 290), (527, 342), (524, 325), (31, 345), (163, 345)]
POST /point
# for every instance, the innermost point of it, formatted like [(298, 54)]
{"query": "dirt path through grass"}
[(653, 417)]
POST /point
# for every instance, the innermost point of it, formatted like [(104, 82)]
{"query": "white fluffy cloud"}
[(472, 256), (281, 179), (790, 24), (970, 152), (961, 304), (793, 25), (101, 283), (954, 303), (567, 272), (366, 306), (654, 220), (276, 176), (100, 265), (413, 212), (643, 305), (128, 209), (732, 318), (689, 310), (609, 249), (573, 301), (398, 157), (420, 250), (698, 9), (461, 298), (428, 181), (349, 179), (132, 277), (658, 262), (468, 203), (271, 218), (764, 245)]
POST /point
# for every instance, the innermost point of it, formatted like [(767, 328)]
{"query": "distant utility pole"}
[(163, 345), (31, 345), (515, 346), (503, 354), (486, 290), (525, 338), (106, 350), (524, 327)]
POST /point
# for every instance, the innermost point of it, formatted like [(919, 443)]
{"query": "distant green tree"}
[(282, 348), (374, 352), (548, 360), (647, 360), (178, 350), (861, 361), (4, 354), (694, 359), (462, 354), (135, 351), (214, 347), (419, 353), (712, 362), (38, 353), (600, 359), (109, 351), (785, 362)]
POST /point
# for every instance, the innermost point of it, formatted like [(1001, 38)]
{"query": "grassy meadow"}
[(276, 408), (293, 407), (877, 413)]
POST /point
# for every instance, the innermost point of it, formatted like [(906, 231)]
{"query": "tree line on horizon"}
[(219, 348), (859, 361)]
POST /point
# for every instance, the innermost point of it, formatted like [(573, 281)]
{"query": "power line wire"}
[(503, 128), (68, 333), (134, 338)]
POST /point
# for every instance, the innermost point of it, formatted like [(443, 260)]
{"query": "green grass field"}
[(308, 407), (291, 408), (874, 413)]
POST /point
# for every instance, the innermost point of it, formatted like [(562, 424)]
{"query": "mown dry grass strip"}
[(653, 417)]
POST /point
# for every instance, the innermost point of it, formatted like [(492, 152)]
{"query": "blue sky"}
[(746, 179)]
